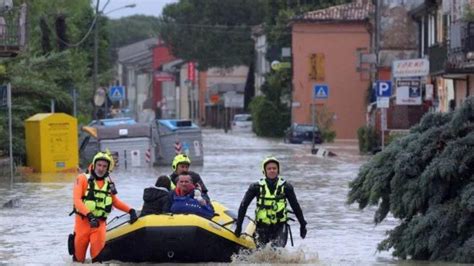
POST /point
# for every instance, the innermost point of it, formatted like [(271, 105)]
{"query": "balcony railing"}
[(12, 31), (438, 54), (468, 38)]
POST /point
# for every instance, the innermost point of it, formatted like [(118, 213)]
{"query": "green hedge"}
[(268, 119), (367, 139)]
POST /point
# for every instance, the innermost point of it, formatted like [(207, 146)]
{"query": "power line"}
[(88, 31), (243, 27)]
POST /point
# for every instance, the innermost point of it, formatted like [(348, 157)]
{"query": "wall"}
[(202, 81), (161, 55), (230, 75), (262, 66), (347, 87), (214, 113), (182, 94), (398, 32), (131, 88), (143, 92)]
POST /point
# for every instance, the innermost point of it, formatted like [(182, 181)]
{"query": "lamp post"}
[(96, 51)]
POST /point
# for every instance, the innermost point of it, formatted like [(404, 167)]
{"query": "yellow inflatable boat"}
[(177, 238)]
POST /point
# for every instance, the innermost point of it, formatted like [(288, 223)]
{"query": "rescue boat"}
[(177, 238)]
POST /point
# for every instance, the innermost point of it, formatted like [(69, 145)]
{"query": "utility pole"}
[(10, 133), (383, 111), (96, 55), (377, 36)]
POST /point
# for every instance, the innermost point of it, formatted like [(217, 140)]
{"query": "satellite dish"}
[(99, 97)]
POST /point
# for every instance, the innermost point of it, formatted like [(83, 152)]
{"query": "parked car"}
[(298, 133), (242, 122)]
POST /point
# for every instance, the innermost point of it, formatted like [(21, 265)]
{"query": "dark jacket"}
[(254, 190), (196, 180), (156, 200)]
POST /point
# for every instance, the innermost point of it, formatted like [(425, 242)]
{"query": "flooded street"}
[(35, 228)]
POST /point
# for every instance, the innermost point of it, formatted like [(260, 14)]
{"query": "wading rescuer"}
[(271, 216), (94, 195)]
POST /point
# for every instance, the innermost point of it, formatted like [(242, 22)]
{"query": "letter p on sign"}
[(384, 88)]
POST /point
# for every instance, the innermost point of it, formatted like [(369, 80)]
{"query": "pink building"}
[(326, 45)]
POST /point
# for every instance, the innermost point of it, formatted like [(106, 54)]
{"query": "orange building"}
[(326, 47)]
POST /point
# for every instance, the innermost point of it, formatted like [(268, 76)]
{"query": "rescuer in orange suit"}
[(94, 195)]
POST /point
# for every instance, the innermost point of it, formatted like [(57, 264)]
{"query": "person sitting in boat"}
[(187, 198), (181, 163), (157, 199), (272, 193)]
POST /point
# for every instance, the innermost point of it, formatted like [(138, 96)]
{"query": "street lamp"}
[(122, 7), (96, 51)]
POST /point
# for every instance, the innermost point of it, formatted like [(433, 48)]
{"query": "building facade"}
[(135, 72), (325, 46)]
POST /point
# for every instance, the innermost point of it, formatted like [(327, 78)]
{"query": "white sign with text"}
[(410, 68)]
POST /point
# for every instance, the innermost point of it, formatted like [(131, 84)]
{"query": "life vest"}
[(98, 200), (271, 208), (172, 185)]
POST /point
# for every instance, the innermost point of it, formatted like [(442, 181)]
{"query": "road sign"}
[(191, 71), (277, 65), (383, 102), (117, 93), (384, 88), (163, 76), (321, 91), (233, 100), (411, 68), (408, 92)]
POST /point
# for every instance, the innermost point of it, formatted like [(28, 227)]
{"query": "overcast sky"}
[(144, 7)]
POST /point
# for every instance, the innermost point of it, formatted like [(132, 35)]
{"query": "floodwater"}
[(35, 228)]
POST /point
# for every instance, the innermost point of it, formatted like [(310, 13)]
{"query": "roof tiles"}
[(354, 11)]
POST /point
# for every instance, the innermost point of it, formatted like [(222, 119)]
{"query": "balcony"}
[(468, 38), (12, 31), (438, 55)]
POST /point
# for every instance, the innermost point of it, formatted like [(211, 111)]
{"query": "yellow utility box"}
[(51, 142)]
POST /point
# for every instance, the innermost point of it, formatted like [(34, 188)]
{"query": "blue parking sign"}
[(384, 88)]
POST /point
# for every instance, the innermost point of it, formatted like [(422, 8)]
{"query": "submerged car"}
[(298, 133), (242, 122)]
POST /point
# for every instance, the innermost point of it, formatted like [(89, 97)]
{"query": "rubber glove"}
[(133, 216), (93, 221), (303, 231), (238, 230)]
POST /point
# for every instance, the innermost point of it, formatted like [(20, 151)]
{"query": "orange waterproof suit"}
[(84, 233)]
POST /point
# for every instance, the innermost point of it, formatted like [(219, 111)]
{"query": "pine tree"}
[(425, 179)]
